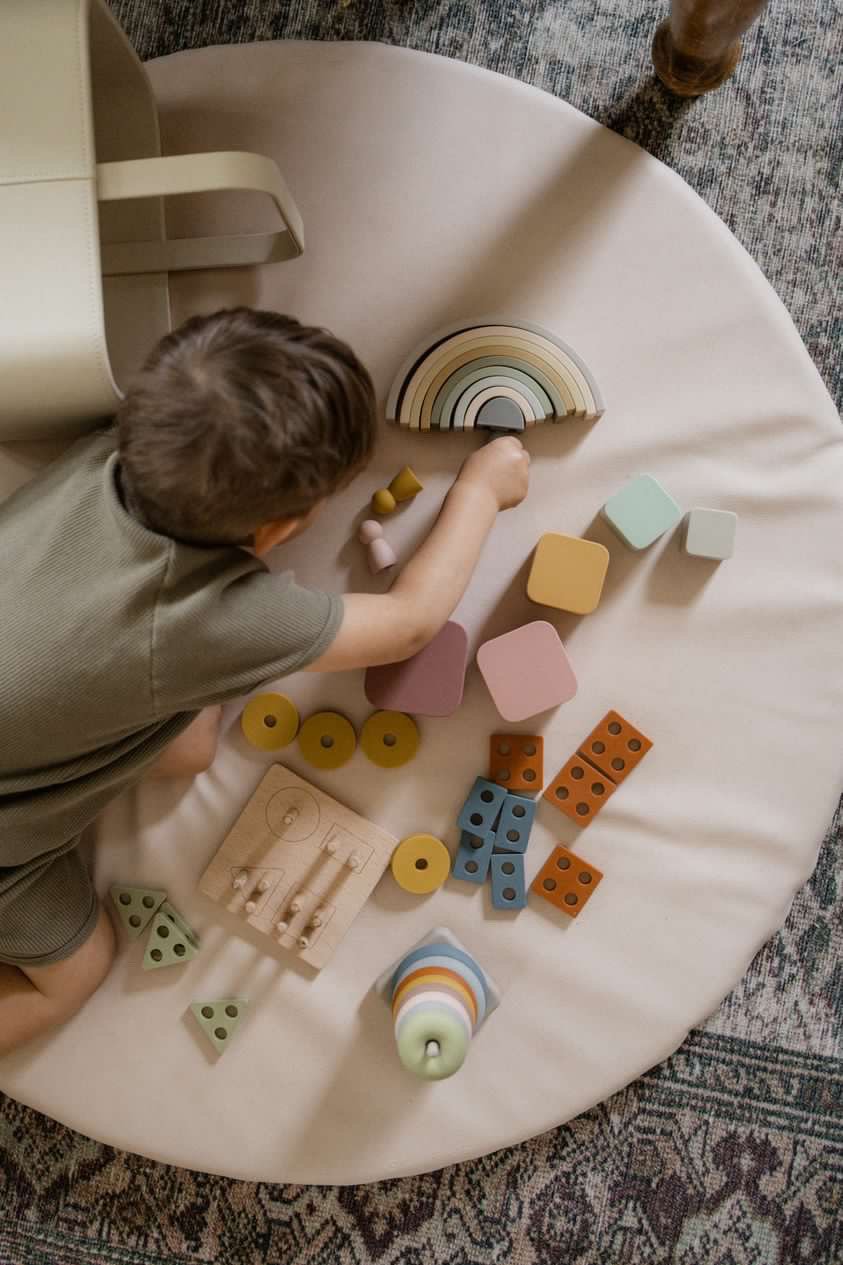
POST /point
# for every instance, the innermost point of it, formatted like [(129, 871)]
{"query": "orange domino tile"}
[(566, 881), (516, 761), (579, 790), (615, 746)]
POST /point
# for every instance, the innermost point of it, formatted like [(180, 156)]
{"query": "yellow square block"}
[(568, 573)]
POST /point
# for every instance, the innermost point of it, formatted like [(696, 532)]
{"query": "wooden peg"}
[(380, 553)]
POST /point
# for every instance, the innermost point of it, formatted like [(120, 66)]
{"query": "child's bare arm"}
[(383, 628)]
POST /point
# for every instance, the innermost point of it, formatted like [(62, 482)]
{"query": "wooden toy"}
[(429, 683), (473, 856), (641, 512), (527, 671), (483, 803), (380, 553), (171, 941), (516, 821), (566, 881), (605, 758), (327, 740), (568, 573), (420, 864), (269, 721), (454, 379), (508, 891), (389, 739), (516, 761), (319, 860), (579, 790), (440, 997), (137, 906), (219, 1020), (403, 487), (710, 534)]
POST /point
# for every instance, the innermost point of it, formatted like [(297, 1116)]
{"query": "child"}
[(135, 603)]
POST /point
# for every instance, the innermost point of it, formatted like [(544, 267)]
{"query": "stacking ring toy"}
[(420, 864), (269, 721), (327, 740), (389, 739)]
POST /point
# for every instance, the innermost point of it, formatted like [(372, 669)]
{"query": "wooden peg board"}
[(295, 841)]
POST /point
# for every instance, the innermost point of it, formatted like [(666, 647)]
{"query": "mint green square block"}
[(641, 512)]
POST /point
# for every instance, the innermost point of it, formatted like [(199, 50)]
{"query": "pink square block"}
[(430, 683), (527, 671)]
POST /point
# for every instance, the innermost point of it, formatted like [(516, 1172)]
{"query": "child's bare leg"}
[(194, 749), (39, 998)]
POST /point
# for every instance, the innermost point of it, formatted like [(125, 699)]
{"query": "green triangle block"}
[(137, 906), (170, 941), (219, 1019)]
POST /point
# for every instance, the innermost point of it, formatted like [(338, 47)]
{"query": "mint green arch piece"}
[(541, 385), (494, 375)]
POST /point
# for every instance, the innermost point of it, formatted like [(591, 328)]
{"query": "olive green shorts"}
[(48, 908)]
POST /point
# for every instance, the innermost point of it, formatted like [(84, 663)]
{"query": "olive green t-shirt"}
[(113, 637)]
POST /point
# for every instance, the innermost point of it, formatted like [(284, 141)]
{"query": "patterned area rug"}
[(731, 1153)]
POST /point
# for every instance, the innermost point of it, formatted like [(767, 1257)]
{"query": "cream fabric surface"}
[(431, 191)]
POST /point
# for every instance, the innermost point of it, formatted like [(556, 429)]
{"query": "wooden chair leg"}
[(699, 45)]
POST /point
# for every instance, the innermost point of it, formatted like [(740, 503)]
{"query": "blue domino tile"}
[(472, 862), (480, 810), (508, 876), (516, 822)]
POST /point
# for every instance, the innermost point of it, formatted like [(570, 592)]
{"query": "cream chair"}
[(84, 255)]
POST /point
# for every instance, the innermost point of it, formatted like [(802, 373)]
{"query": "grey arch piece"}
[(500, 414)]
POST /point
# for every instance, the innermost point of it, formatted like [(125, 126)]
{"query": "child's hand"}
[(501, 468)]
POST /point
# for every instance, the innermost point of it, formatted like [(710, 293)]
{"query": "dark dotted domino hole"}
[(509, 893), (513, 835), (529, 775), (634, 744), (549, 884), (584, 878), (156, 955), (486, 797), (207, 1012), (563, 863), (583, 810), (614, 728), (519, 810), (148, 902), (327, 741), (507, 868), (504, 748), (599, 747), (134, 920), (220, 1033), (577, 772), (163, 932), (389, 740), (270, 721), (475, 841), (503, 775), (471, 867), (571, 898), (125, 898), (231, 1011), (619, 764), (421, 864), (529, 748), (597, 788), (476, 819), (179, 950), (562, 792)]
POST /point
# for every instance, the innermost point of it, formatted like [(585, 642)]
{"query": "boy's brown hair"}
[(238, 419)]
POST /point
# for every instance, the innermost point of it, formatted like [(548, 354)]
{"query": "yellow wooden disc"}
[(389, 739), (327, 740), (420, 864), (269, 721)]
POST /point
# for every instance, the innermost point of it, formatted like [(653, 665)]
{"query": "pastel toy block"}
[(389, 739), (429, 683), (516, 822), (403, 487), (710, 534), (380, 553), (641, 512), (508, 890), (566, 881), (527, 671), (482, 805), (473, 856), (579, 790), (137, 906), (420, 864), (516, 761), (568, 573), (171, 941), (615, 747), (219, 1020)]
